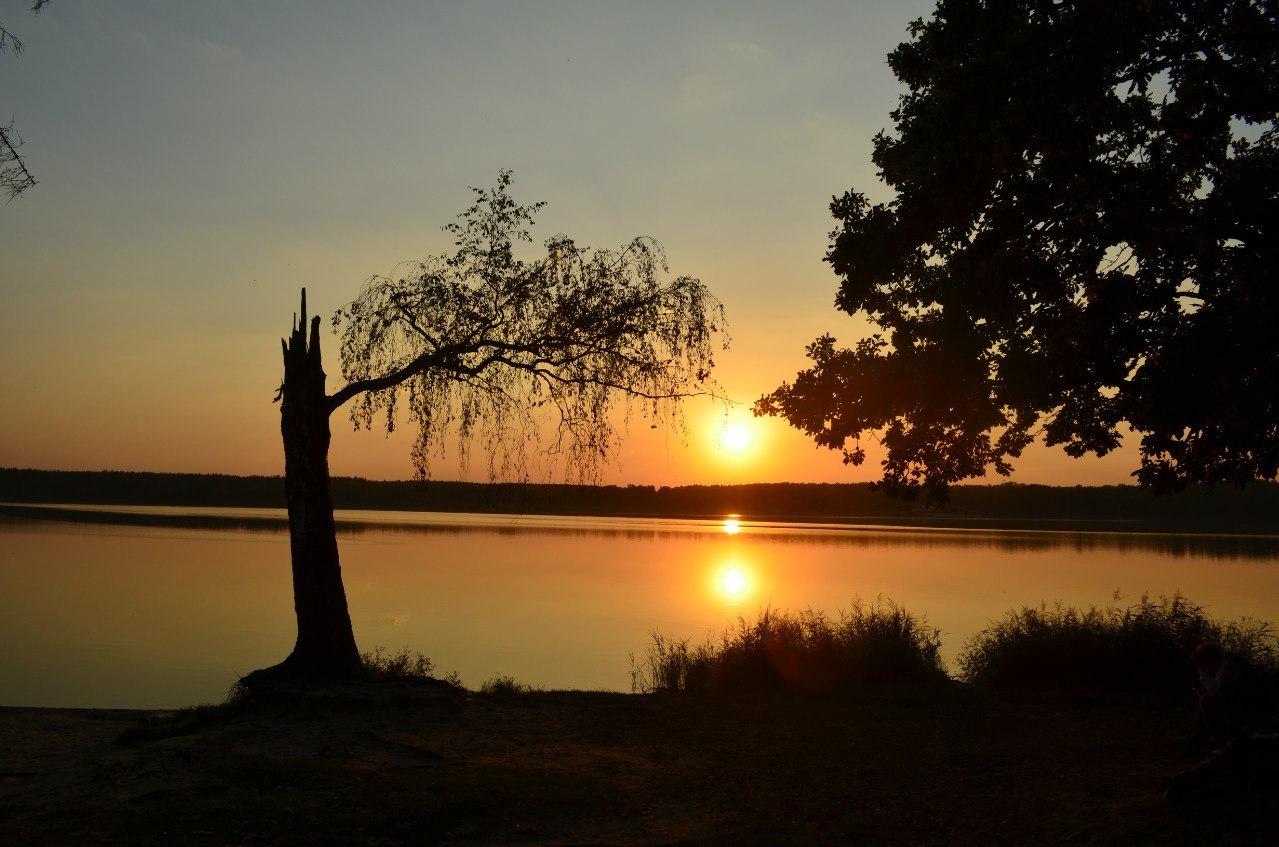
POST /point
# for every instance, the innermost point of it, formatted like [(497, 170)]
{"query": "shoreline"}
[(194, 516), (94, 712), (893, 765)]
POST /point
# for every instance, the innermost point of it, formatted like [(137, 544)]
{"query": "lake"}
[(149, 607)]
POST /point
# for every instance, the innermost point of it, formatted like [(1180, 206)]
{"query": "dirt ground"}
[(412, 764)]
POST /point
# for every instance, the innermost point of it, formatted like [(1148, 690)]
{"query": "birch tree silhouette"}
[(515, 358)]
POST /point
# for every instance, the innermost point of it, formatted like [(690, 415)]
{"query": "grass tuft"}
[(807, 651), (187, 720), (1142, 647), (501, 685), (406, 664)]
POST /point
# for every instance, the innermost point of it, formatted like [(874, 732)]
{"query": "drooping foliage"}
[(1083, 237), (492, 348), (15, 178), (481, 344)]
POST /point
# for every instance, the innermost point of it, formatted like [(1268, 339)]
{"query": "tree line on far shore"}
[(1255, 508)]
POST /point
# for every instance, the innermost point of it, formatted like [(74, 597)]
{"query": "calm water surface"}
[(120, 615)]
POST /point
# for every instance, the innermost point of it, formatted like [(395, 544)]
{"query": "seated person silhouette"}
[(1222, 707)]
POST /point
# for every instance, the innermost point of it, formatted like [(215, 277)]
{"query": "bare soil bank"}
[(417, 764)]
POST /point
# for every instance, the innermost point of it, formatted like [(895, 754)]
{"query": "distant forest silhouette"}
[(1253, 509)]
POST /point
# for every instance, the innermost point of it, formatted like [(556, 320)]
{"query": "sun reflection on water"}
[(732, 524), (734, 582)]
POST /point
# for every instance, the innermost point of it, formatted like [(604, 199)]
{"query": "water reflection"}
[(160, 608), (735, 583), (356, 523)]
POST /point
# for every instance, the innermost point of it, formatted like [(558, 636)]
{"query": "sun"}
[(736, 437)]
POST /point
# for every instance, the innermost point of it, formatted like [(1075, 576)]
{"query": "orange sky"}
[(200, 163)]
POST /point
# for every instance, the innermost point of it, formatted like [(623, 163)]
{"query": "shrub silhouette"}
[(806, 651), (406, 664), (1143, 647)]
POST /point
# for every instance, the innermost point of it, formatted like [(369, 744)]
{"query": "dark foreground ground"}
[(427, 765)]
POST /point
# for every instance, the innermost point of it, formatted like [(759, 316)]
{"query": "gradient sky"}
[(199, 163)]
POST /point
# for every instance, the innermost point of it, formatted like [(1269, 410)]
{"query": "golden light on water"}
[(732, 525)]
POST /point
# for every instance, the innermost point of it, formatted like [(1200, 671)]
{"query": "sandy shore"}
[(410, 764)]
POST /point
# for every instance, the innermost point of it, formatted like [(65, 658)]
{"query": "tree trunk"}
[(325, 649)]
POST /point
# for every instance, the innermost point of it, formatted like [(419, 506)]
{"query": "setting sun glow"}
[(736, 437), (735, 441)]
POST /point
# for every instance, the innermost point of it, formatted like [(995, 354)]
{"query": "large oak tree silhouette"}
[(1084, 236)]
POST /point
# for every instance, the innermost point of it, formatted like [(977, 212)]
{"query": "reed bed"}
[(1137, 647), (805, 651), (1144, 647)]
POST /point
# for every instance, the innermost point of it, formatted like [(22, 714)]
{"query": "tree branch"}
[(360, 386), (409, 319), (15, 178), (591, 380), (7, 38)]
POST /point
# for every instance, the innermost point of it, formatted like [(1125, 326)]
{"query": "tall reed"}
[(1140, 647), (806, 650)]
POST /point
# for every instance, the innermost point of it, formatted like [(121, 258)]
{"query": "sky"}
[(200, 163)]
